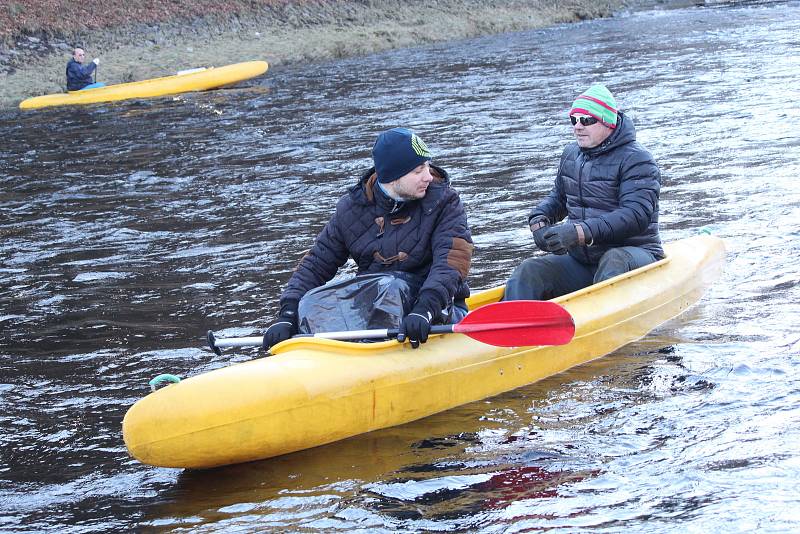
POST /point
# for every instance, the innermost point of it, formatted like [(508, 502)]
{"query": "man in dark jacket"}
[(607, 187), (78, 76), (402, 215)]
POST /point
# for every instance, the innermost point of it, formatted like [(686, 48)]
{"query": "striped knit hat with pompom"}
[(598, 102)]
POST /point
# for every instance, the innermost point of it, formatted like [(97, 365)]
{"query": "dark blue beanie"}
[(397, 152)]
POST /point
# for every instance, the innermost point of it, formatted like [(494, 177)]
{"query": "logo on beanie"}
[(420, 147)]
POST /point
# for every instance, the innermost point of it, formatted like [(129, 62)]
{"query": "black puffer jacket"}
[(612, 189), (429, 237)]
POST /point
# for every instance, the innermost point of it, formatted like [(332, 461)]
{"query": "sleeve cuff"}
[(428, 303), (540, 220), (584, 234)]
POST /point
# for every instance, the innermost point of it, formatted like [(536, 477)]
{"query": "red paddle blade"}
[(519, 323)]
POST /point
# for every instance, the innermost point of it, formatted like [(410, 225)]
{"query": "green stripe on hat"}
[(598, 102), (420, 147)]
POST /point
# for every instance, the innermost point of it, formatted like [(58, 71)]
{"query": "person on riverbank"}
[(607, 187), (80, 76), (403, 224)]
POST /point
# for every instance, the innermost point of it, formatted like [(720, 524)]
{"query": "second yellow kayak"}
[(193, 80)]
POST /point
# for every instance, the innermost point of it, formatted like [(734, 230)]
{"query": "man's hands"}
[(560, 238), (284, 327), (539, 226), (416, 326), (96, 61)]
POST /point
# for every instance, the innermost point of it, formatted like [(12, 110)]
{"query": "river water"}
[(130, 229)]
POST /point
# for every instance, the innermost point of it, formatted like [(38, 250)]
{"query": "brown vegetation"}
[(58, 18), (139, 39), (65, 18)]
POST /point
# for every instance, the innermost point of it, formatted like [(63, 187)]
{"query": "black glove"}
[(539, 226), (284, 327), (561, 237), (417, 325)]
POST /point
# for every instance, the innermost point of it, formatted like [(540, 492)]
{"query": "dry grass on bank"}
[(56, 18), (273, 30)]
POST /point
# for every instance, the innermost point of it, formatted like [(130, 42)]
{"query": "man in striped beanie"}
[(607, 187)]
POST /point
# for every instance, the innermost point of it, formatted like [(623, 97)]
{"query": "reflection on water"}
[(130, 229)]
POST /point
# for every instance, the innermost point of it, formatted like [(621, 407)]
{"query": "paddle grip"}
[(435, 329), (442, 329)]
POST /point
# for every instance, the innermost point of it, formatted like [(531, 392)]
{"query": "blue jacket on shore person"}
[(402, 215), (607, 187), (78, 75)]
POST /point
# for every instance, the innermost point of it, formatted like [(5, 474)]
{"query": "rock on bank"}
[(140, 39)]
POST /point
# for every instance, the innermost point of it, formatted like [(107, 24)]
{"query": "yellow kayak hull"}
[(196, 80), (315, 391)]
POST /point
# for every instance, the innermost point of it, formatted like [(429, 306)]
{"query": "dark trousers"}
[(550, 276)]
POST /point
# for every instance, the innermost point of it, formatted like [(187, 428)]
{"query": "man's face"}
[(79, 54), (414, 184), (592, 135)]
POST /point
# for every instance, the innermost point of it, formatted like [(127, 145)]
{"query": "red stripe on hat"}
[(596, 101), (582, 111)]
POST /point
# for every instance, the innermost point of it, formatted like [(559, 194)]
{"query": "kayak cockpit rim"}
[(480, 299)]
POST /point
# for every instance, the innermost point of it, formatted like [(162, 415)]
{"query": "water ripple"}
[(130, 229)]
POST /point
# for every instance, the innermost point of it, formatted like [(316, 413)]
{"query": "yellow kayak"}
[(192, 80), (316, 391)]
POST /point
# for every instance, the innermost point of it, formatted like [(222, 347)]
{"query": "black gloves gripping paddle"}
[(284, 327), (416, 326)]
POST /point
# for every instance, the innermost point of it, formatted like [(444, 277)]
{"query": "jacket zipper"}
[(584, 248)]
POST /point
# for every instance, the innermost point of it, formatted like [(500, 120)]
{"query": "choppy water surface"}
[(130, 229)]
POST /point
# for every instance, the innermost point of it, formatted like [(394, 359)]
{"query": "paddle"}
[(516, 323)]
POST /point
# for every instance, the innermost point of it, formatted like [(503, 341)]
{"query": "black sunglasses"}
[(585, 120)]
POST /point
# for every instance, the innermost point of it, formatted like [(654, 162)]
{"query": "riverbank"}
[(176, 35)]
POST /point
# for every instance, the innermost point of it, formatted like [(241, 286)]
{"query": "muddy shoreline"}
[(287, 32)]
